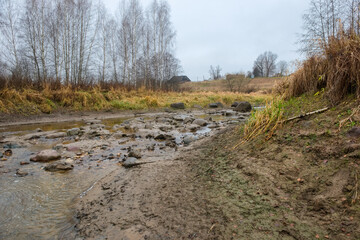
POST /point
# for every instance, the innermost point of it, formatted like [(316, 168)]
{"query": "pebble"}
[(21, 173)]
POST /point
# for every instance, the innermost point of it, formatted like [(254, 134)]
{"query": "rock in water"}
[(178, 105), (73, 132), (59, 166), (8, 153), (189, 139), (243, 107), (216, 105), (46, 156), (200, 122), (135, 154), (21, 173), (235, 104)]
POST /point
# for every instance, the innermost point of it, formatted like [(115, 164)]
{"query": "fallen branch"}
[(307, 114)]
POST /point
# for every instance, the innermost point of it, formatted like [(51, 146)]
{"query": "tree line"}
[(77, 42)]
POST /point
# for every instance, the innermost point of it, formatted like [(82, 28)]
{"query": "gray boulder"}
[(46, 156), (189, 139), (73, 132), (200, 122), (135, 154), (235, 104), (178, 105), (164, 137), (180, 118), (216, 105), (243, 107), (59, 166)]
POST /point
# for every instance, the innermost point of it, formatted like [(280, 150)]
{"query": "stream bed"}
[(38, 204)]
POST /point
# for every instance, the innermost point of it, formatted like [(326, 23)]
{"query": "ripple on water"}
[(38, 206)]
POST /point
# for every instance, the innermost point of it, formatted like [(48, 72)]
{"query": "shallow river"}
[(39, 205)]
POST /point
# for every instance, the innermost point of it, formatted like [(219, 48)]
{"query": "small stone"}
[(46, 156), (216, 105), (59, 167), (58, 147), (165, 128), (189, 139), (178, 105), (73, 149), (24, 163), (164, 137), (8, 153), (73, 132), (135, 154), (188, 120), (235, 104), (21, 173), (69, 161), (200, 122)]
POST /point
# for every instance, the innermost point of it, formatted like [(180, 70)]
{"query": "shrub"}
[(336, 70)]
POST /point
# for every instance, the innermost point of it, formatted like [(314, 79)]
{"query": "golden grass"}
[(336, 70), (258, 84), (30, 101), (264, 122)]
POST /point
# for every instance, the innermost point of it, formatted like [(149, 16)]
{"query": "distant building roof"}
[(179, 79)]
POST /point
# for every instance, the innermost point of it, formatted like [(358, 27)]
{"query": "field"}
[(30, 101), (252, 85)]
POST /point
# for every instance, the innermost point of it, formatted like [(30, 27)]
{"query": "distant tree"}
[(265, 65), (257, 72), (249, 74), (283, 68), (215, 73)]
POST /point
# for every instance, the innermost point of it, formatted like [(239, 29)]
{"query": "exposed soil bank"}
[(298, 185)]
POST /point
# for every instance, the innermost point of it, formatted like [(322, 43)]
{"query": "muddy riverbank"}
[(300, 184), (38, 196)]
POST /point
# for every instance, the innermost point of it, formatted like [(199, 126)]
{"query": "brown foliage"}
[(336, 70)]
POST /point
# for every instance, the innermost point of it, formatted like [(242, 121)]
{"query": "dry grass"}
[(265, 121), (336, 70), (28, 101), (258, 84)]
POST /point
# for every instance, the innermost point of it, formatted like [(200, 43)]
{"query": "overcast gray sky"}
[(232, 33)]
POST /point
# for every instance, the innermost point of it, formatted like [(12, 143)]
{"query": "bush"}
[(336, 70)]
